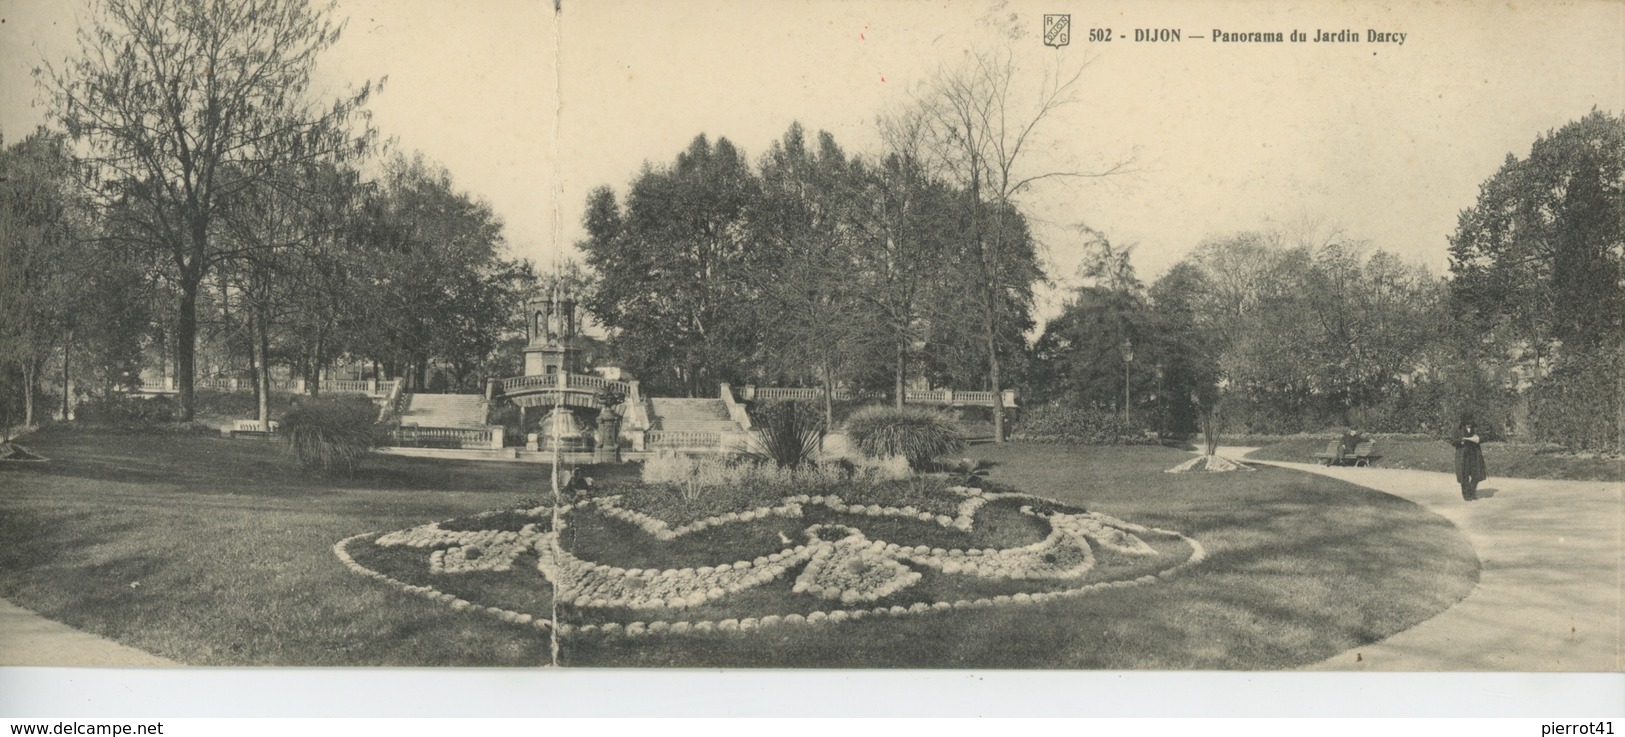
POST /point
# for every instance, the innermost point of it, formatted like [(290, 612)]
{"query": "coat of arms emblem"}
[(1057, 30)]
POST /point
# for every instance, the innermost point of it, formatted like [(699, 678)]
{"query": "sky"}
[(1387, 142)]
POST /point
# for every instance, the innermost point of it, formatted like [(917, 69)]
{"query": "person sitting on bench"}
[(1348, 445)]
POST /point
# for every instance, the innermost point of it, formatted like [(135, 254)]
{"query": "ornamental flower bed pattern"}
[(837, 571)]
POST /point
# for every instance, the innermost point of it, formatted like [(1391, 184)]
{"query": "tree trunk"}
[(67, 398), (186, 350), (993, 378), (254, 362), (313, 374), (902, 369), (263, 380), (30, 376), (829, 399), (1210, 430)]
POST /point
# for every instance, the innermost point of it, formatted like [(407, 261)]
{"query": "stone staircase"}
[(460, 411), (691, 416)]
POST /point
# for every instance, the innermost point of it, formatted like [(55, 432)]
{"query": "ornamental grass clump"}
[(916, 434), (789, 434), (329, 436)]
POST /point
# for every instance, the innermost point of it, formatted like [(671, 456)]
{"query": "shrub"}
[(692, 476), (888, 468), (974, 413), (238, 404), (1577, 405), (789, 433), (328, 435), (125, 411), (1059, 423), (913, 433)]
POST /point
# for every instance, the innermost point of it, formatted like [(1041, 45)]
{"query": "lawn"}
[(1299, 568), (219, 552), (210, 551), (1505, 459)]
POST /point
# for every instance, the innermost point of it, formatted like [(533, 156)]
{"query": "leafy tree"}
[(1538, 271), (909, 230), (66, 295), (1374, 319), (807, 216), (288, 234), (1299, 329), (1085, 358), (181, 104), (1079, 359), (112, 311), (1107, 266), (327, 274), (1186, 348), (674, 268), (436, 287), (1542, 252), (38, 256), (960, 304)]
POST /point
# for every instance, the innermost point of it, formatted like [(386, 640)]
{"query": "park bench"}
[(1336, 455)]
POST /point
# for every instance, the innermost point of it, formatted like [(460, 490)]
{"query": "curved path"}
[(1551, 587), (27, 638)]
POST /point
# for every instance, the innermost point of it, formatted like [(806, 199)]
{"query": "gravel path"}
[(1551, 589), (27, 638)]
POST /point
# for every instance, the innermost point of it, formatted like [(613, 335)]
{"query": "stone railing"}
[(479, 438), (938, 397), (394, 401), (584, 383), (370, 387), (774, 393), (928, 396), (695, 441), (683, 440), (736, 411)]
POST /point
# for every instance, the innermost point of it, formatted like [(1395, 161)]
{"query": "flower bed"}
[(806, 559)]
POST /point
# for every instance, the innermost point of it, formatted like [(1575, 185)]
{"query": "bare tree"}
[(182, 103), (984, 131)]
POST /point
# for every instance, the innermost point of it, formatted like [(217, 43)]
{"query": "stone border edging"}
[(935, 558)]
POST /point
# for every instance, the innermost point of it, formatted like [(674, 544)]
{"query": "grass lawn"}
[(1505, 459), (214, 552), (211, 551), (1300, 568)]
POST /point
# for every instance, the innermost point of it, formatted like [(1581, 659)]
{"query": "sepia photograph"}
[(995, 335)]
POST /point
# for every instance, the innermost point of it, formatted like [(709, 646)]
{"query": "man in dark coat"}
[(1470, 468)]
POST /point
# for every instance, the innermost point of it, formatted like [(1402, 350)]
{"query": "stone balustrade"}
[(370, 387), (938, 397)]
